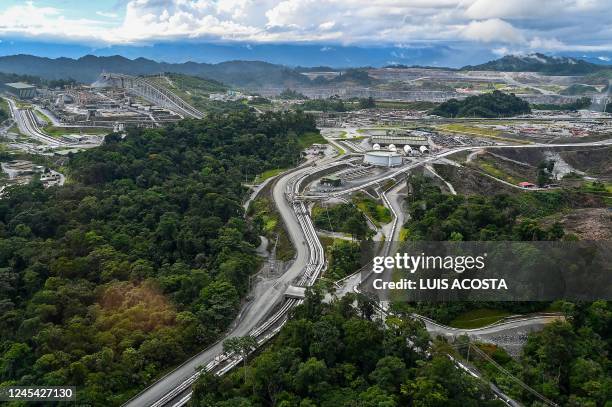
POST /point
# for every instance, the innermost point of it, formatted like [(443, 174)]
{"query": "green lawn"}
[(308, 139), (379, 214), (60, 131), (490, 169), (42, 116), (603, 189), (478, 318), (268, 174)]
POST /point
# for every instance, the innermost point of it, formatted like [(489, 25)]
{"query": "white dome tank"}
[(423, 149), (392, 147), (407, 149), (376, 147)]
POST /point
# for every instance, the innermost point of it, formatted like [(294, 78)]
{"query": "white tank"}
[(376, 147), (392, 147), (382, 158), (423, 149), (407, 149)]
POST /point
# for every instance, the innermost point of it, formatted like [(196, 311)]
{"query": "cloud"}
[(30, 20), (107, 14), (514, 24), (492, 30)]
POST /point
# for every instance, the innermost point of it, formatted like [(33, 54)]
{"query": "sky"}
[(499, 26)]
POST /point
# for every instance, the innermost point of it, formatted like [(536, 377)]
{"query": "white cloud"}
[(32, 21), (107, 14), (546, 44), (515, 24), (492, 30)]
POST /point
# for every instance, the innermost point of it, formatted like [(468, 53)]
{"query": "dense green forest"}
[(345, 218), (140, 259), (4, 114), (494, 104), (568, 362), (289, 94), (337, 356), (435, 216), (549, 65), (344, 258)]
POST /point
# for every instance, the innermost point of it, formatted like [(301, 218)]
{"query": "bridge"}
[(149, 91)]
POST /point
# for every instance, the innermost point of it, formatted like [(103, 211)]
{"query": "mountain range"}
[(255, 74), (550, 65)]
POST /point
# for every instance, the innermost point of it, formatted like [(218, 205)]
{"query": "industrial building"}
[(20, 90), (414, 139), (382, 158)]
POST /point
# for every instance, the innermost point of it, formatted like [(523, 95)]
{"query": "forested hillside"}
[(137, 262), (494, 104), (549, 65), (335, 355)]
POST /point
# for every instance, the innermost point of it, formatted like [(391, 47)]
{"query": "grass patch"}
[(61, 131), (5, 107), (478, 318), (490, 169), (603, 189), (266, 219), (42, 116), (310, 138), (268, 174), (379, 214)]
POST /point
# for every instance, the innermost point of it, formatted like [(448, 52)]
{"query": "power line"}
[(514, 378)]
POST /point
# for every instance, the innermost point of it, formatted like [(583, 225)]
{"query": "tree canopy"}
[(140, 259), (493, 104)]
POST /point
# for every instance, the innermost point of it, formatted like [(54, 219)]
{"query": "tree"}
[(242, 346), (368, 103)]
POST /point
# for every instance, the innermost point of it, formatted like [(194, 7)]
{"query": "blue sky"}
[(497, 26)]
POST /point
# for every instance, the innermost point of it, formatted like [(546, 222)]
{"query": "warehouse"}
[(400, 140), (382, 158), (20, 90)]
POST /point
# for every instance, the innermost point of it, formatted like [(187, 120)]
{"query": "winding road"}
[(262, 317)]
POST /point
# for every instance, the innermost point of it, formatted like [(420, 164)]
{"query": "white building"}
[(382, 158)]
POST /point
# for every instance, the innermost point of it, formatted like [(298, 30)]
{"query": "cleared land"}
[(478, 318)]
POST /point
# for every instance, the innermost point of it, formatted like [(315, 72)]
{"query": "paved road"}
[(510, 335), (27, 124), (265, 299)]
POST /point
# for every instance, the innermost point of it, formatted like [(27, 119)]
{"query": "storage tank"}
[(423, 149), (407, 149), (382, 158), (392, 147), (376, 147)]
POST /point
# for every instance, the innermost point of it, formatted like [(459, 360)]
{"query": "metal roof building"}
[(20, 90), (400, 140)]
